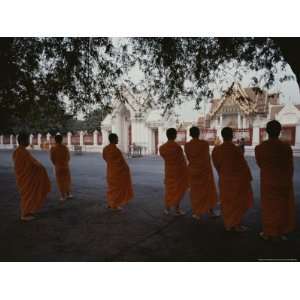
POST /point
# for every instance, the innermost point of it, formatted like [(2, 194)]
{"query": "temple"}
[(243, 109)]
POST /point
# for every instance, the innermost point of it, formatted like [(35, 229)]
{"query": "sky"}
[(289, 90)]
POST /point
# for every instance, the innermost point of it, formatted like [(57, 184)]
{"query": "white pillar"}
[(95, 137), (30, 139), (161, 135), (244, 122), (48, 135), (81, 138), (239, 121), (255, 136), (39, 138), (105, 141), (1, 139), (297, 136), (11, 139), (69, 139)]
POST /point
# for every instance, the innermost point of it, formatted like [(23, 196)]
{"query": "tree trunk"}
[(290, 49)]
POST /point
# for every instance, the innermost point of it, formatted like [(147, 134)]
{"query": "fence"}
[(288, 134), (88, 142)]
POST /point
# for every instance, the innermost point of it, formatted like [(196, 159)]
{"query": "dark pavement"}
[(82, 229)]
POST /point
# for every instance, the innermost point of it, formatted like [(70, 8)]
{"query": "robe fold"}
[(119, 184), (176, 175), (60, 157), (32, 181), (201, 180), (234, 183), (275, 160)]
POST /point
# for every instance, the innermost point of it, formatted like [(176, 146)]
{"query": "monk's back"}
[(231, 161), (198, 153), (275, 160), (112, 155), (60, 155), (171, 153)]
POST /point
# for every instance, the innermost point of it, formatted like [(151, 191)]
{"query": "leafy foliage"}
[(44, 82)]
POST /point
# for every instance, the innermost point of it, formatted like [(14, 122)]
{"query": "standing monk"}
[(176, 176), (119, 190), (234, 181), (60, 157), (32, 179), (201, 179), (275, 160)]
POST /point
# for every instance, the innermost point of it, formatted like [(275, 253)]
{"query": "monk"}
[(119, 190), (275, 160), (60, 157), (234, 182), (32, 179), (201, 179), (176, 175)]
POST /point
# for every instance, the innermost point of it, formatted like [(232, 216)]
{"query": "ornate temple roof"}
[(250, 100)]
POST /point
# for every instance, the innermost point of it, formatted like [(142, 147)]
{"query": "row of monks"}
[(182, 172)]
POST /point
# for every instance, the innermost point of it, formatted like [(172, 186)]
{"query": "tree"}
[(49, 74), (177, 67), (93, 119), (44, 81)]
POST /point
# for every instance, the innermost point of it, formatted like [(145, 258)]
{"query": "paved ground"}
[(82, 229)]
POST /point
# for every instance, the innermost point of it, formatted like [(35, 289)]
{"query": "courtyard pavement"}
[(82, 229)]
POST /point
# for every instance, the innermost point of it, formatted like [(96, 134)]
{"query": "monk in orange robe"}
[(275, 160), (119, 190), (234, 181), (176, 175), (32, 179), (60, 157), (201, 179)]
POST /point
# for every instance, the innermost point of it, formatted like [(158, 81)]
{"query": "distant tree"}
[(94, 119), (41, 77), (177, 67), (45, 73)]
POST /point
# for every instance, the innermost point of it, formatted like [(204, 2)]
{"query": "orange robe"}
[(118, 177), (201, 179), (60, 157), (275, 160), (32, 181), (234, 182), (176, 176)]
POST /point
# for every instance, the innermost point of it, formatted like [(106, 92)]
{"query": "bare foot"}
[(264, 237), (179, 212), (197, 217), (27, 218), (166, 211), (241, 228)]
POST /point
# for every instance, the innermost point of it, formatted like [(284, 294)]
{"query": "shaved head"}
[(23, 139), (273, 129), (171, 133), (58, 139), (113, 138), (227, 134), (194, 132)]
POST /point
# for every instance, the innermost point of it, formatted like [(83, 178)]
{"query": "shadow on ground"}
[(82, 229)]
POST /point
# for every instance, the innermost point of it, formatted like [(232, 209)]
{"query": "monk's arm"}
[(186, 153), (68, 154), (257, 156), (215, 159), (52, 158), (290, 160), (104, 156)]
